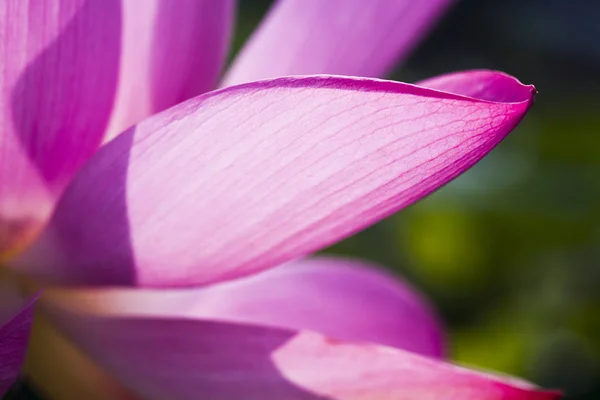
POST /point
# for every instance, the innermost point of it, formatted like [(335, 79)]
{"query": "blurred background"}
[(510, 252)]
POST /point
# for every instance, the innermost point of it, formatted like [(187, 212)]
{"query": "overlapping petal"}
[(185, 358), (59, 73), (342, 298), (341, 37), (72, 69), (16, 315), (170, 54), (329, 155)]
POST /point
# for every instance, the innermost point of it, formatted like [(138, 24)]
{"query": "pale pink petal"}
[(72, 69), (341, 298), (346, 37), (58, 58), (246, 178), (16, 316), (170, 53), (180, 359)]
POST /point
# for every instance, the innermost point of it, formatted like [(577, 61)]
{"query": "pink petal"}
[(74, 68), (180, 358), (246, 178), (16, 316), (170, 53), (347, 37), (341, 298), (54, 54), (481, 84)]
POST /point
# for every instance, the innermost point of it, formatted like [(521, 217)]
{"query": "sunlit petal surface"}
[(342, 37), (246, 178), (170, 53)]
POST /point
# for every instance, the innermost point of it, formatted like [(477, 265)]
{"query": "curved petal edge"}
[(338, 297), (245, 178), (180, 359), (341, 37)]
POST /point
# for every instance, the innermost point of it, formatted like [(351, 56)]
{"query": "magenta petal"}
[(246, 178), (345, 37), (481, 84), (16, 316), (58, 58), (170, 53), (341, 298), (58, 81), (73, 69), (179, 359)]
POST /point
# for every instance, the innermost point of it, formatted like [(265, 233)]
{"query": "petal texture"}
[(249, 177), (345, 37), (16, 317), (181, 359), (341, 298), (73, 69)]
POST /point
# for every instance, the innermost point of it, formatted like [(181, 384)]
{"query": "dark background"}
[(510, 252)]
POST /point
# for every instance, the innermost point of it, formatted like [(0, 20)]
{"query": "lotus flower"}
[(182, 238)]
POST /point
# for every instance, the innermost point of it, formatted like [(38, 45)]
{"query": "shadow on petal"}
[(62, 101), (184, 358), (243, 179), (67, 241)]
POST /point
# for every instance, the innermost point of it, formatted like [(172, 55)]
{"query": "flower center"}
[(15, 235)]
